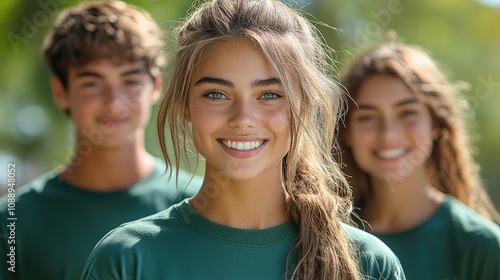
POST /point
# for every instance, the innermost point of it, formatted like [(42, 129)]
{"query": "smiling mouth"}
[(242, 145), (391, 154)]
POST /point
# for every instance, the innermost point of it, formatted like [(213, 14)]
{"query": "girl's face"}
[(239, 112), (391, 132)]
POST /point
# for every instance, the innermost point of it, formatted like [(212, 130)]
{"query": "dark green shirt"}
[(178, 244), (454, 244), (58, 224)]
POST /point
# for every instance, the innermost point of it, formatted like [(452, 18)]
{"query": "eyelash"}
[(132, 82), (365, 118), (210, 95), (409, 113), (276, 95), (89, 84), (403, 114)]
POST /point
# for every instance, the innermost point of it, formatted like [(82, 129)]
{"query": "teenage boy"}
[(106, 61)]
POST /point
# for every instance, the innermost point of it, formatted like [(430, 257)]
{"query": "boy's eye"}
[(89, 84), (215, 95), (132, 82)]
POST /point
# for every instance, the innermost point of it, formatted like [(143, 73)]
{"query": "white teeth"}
[(243, 146), (390, 154)]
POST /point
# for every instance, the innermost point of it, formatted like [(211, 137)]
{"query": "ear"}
[(60, 94), (157, 88)]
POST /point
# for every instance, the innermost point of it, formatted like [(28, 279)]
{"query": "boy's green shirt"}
[(58, 224)]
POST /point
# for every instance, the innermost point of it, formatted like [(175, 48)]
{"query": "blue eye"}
[(215, 95), (270, 95)]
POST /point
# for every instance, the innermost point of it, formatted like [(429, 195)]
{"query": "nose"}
[(243, 114), (113, 93), (116, 99), (389, 128)]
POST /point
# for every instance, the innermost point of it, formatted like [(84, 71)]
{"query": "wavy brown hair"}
[(319, 197), (103, 29), (450, 167)]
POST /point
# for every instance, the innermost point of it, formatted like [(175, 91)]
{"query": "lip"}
[(112, 121), (242, 145), (390, 154), (244, 148)]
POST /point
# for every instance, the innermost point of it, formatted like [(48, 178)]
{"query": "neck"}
[(402, 204), (109, 169), (253, 204)]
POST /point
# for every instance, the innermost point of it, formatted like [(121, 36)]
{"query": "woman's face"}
[(391, 131), (239, 112)]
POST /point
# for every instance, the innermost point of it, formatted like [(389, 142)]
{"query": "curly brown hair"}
[(112, 30)]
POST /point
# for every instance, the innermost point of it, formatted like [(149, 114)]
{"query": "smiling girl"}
[(251, 89), (415, 182)]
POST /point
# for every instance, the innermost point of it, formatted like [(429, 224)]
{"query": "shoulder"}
[(146, 230), (470, 225), (476, 239), (32, 189), (376, 260), (126, 249), (479, 237)]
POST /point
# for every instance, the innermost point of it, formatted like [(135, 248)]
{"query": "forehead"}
[(237, 59), (109, 66), (383, 90)]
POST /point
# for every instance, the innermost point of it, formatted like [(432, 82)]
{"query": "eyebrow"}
[(266, 82), (99, 75), (212, 80), (227, 83), (411, 100)]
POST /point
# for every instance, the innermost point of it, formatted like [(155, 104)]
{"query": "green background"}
[(463, 36)]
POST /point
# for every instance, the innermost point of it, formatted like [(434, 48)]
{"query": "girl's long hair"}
[(318, 195), (451, 167)]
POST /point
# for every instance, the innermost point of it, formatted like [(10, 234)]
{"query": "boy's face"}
[(110, 104)]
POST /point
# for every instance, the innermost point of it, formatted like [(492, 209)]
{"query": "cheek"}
[(279, 121), (83, 106), (422, 137), (136, 101), (203, 123), (143, 110), (202, 117), (361, 137)]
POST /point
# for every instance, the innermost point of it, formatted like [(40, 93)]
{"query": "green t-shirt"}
[(454, 244), (178, 244), (57, 225)]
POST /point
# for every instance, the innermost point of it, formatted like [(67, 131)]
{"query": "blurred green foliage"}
[(463, 35)]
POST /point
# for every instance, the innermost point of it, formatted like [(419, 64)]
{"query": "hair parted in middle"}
[(318, 194), (451, 167)]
